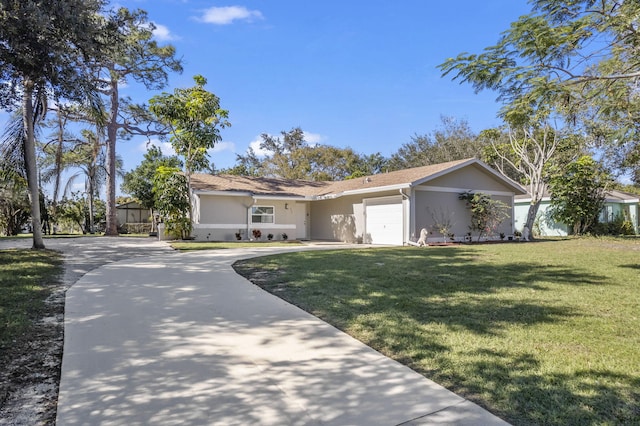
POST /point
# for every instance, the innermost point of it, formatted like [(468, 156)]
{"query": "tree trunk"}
[(91, 207), (112, 134), (531, 216), (32, 166)]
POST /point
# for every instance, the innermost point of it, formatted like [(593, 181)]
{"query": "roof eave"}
[(364, 191), (232, 193), (518, 189)]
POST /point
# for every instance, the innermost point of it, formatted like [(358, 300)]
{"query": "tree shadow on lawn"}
[(404, 311), (631, 266), (524, 395)]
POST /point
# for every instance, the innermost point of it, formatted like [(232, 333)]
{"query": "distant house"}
[(132, 213), (387, 208), (616, 203)]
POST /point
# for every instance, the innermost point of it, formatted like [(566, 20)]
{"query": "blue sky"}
[(350, 73), (359, 74)]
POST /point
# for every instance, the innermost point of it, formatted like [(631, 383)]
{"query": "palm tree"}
[(89, 158)]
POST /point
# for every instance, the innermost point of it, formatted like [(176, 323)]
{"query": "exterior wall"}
[(432, 207), (629, 211), (634, 214), (543, 225), (219, 218), (339, 219), (472, 178)]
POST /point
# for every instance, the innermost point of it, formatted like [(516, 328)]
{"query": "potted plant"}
[(238, 236), (517, 234), (502, 236), (285, 236), (269, 237), (257, 234)]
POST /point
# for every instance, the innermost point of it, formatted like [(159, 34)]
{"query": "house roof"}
[(285, 187), (129, 205), (256, 185), (619, 196)]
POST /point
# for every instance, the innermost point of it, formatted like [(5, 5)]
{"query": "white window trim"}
[(263, 223)]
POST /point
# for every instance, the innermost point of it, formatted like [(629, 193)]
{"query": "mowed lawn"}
[(538, 333)]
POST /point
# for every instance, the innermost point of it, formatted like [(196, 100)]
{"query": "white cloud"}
[(255, 145), (223, 146), (313, 139), (227, 14), (165, 147), (162, 33)]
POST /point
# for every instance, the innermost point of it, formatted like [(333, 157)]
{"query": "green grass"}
[(25, 276), (538, 333), (216, 245)]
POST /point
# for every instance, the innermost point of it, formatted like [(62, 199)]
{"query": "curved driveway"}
[(181, 339)]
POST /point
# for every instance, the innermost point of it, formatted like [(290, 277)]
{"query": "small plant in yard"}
[(269, 237), (238, 236), (442, 222), (285, 236), (502, 235), (257, 234), (486, 214)]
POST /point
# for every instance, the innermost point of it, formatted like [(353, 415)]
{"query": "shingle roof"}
[(256, 185), (286, 187), (614, 194)]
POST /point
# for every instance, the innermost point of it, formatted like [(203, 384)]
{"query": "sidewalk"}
[(182, 339)]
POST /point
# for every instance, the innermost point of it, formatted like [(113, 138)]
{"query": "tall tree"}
[(173, 199), (138, 59), (88, 156), (14, 201), (45, 46), (139, 181), (54, 151), (453, 141), (578, 193), (290, 156), (528, 153), (195, 118), (577, 57)]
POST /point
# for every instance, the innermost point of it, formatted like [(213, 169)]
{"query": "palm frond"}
[(12, 146)]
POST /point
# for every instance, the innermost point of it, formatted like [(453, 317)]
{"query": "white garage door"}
[(384, 220)]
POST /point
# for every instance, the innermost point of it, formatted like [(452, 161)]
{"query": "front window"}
[(262, 214)]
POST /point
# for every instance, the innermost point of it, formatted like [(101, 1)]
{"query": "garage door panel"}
[(384, 221)]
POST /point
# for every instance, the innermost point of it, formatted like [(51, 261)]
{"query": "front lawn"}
[(26, 280), (538, 333)]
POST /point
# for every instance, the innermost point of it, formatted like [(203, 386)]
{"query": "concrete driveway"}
[(180, 338)]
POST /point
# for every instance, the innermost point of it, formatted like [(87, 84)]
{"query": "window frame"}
[(272, 215)]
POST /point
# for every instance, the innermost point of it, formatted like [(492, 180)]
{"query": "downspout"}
[(253, 203), (404, 230)]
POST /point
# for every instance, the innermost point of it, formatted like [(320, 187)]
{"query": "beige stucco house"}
[(388, 208)]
